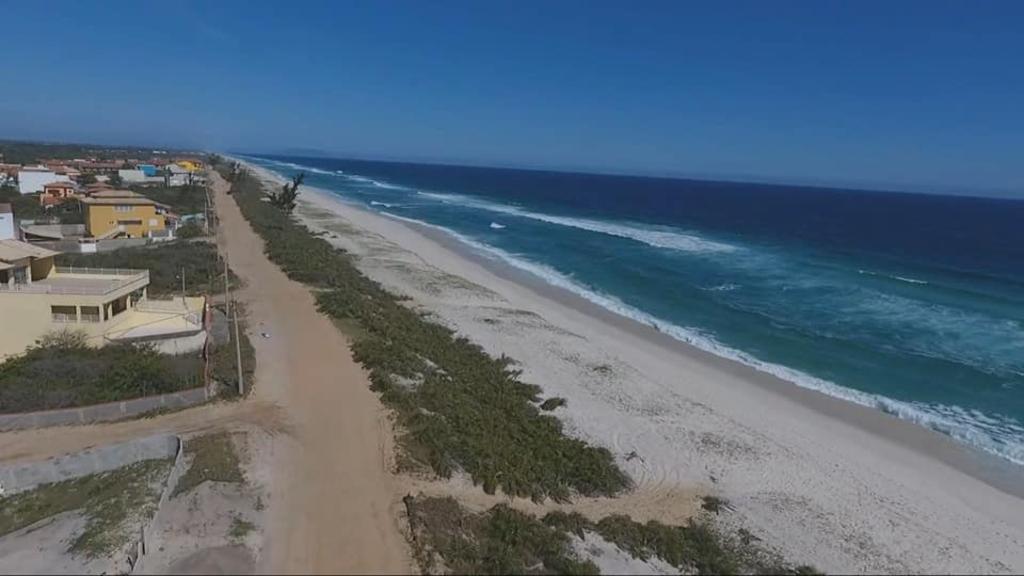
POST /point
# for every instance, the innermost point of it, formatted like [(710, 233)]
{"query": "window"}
[(122, 208), (63, 314), (129, 222), (90, 313)]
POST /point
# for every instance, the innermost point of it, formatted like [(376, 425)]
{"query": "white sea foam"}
[(372, 182), (657, 237), (893, 277), (497, 226), (994, 435), (722, 288), (384, 204)]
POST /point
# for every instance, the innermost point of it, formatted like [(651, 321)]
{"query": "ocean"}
[(910, 303)]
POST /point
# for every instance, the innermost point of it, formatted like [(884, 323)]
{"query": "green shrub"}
[(499, 541), (190, 230), (203, 266), (62, 371)]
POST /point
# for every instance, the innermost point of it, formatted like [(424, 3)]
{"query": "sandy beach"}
[(829, 483)]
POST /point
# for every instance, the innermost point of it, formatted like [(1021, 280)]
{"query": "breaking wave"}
[(656, 237)]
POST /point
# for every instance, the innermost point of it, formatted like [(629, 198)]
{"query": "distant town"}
[(59, 202)]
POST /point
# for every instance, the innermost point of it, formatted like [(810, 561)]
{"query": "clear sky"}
[(917, 95)]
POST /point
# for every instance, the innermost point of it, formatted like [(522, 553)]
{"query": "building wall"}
[(102, 218), (31, 182), (132, 176), (7, 226), (27, 317)]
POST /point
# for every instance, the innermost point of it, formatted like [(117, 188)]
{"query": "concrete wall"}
[(103, 412), (7, 226), (16, 478)]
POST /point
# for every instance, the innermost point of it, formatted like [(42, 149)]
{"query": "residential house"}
[(91, 189), (98, 168), (56, 192), (6, 222), (31, 179), (113, 213), (37, 298)]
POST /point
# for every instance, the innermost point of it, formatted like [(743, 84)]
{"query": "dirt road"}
[(334, 506)]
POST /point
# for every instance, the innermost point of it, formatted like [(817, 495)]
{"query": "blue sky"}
[(916, 95)]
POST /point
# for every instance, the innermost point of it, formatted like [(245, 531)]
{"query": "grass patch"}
[(204, 268), (468, 411), (62, 371), (181, 199), (224, 359), (240, 528), (108, 500), (697, 547), (213, 459), (447, 539)]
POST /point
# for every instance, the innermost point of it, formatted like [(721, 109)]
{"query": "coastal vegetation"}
[(457, 408), (448, 538), (213, 460), (285, 199), (181, 199), (63, 371), (224, 361), (202, 265)]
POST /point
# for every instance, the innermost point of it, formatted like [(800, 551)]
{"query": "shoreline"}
[(790, 459), (989, 468)]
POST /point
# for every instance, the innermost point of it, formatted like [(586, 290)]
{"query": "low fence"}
[(16, 478), (147, 539), (104, 412)]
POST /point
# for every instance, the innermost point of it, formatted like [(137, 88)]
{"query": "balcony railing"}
[(98, 271), (82, 281)]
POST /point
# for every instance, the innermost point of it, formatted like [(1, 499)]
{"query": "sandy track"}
[(334, 506)]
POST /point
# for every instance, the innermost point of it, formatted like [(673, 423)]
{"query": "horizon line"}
[(921, 189)]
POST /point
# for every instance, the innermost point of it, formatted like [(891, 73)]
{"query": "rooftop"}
[(11, 250), (84, 281), (119, 197), (161, 319)]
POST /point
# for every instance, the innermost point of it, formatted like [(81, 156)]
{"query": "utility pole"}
[(183, 286), (238, 355), (227, 293)]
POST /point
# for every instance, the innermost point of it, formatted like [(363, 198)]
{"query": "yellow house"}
[(37, 297), (190, 165), (113, 213)]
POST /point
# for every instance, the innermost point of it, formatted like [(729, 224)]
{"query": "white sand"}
[(839, 486)]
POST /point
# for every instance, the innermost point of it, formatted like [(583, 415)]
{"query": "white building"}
[(31, 179), (132, 176), (6, 222)]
